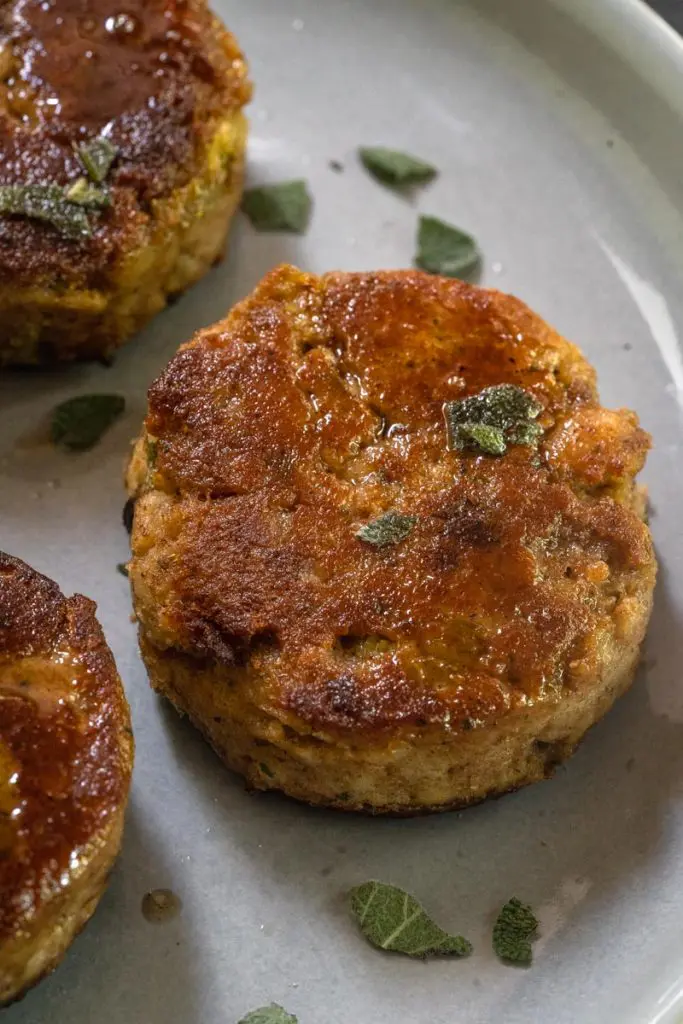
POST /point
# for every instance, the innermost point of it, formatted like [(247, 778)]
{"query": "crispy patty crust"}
[(165, 83), (465, 660), (66, 753)]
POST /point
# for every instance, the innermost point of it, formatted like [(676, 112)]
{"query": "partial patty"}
[(464, 659), (164, 83), (66, 753)]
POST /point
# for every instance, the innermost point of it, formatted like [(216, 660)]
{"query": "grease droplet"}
[(160, 906)]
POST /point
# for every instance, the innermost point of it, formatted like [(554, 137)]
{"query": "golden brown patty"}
[(66, 753), (165, 83), (466, 659)]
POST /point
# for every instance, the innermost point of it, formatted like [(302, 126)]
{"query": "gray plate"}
[(557, 126)]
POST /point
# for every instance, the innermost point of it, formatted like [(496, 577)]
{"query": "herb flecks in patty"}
[(494, 418)]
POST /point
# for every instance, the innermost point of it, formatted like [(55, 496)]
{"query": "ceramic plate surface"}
[(557, 129)]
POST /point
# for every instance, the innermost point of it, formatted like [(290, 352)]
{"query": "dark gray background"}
[(672, 10)]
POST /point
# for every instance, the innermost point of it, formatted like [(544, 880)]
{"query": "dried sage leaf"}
[(391, 528), (391, 919), (513, 931), (272, 1014), (79, 423), (284, 206), (445, 249), (394, 168)]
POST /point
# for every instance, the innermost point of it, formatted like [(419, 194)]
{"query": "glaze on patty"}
[(65, 760), (165, 83), (464, 660)]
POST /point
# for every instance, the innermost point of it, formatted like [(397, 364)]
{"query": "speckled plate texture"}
[(557, 126)]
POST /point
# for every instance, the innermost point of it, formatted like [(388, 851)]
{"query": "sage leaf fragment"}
[(392, 919), (394, 168), (89, 196), (444, 249), (390, 528), (513, 931), (284, 206), (272, 1014), (97, 157), (47, 203), (79, 423), (492, 419)]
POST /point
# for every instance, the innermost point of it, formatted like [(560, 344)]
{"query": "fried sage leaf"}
[(490, 440), (47, 203), (445, 249), (89, 196), (272, 1014), (79, 423), (513, 931), (97, 156), (284, 206), (394, 168), (391, 919), (492, 419), (391, 528)]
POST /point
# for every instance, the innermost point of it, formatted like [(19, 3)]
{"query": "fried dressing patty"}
[(464, 660), (66, 752), (164, 82)]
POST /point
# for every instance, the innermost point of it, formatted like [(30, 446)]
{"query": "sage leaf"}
[(46, 203), (272, 1014), (391, 528), (513, 931), (391, 919), (394, 168), (89, 196), (284, 206), (97, 156), (490, 440), (501, 405), (495, 417), (445, 249), (79, 423), (524, 433)]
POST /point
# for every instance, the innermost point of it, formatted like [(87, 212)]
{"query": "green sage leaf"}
[(89, 196), (445, 249), (495, 417), (97, 156), (46, 203), (501, 405), (490, 440), (391, 919), (79, 423), (513, 931), (272, 1014), (394, 168), (285, 206), (391, 528)]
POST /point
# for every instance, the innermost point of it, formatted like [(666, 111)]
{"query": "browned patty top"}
[(65, 741), (317, 406), (155, 74)]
